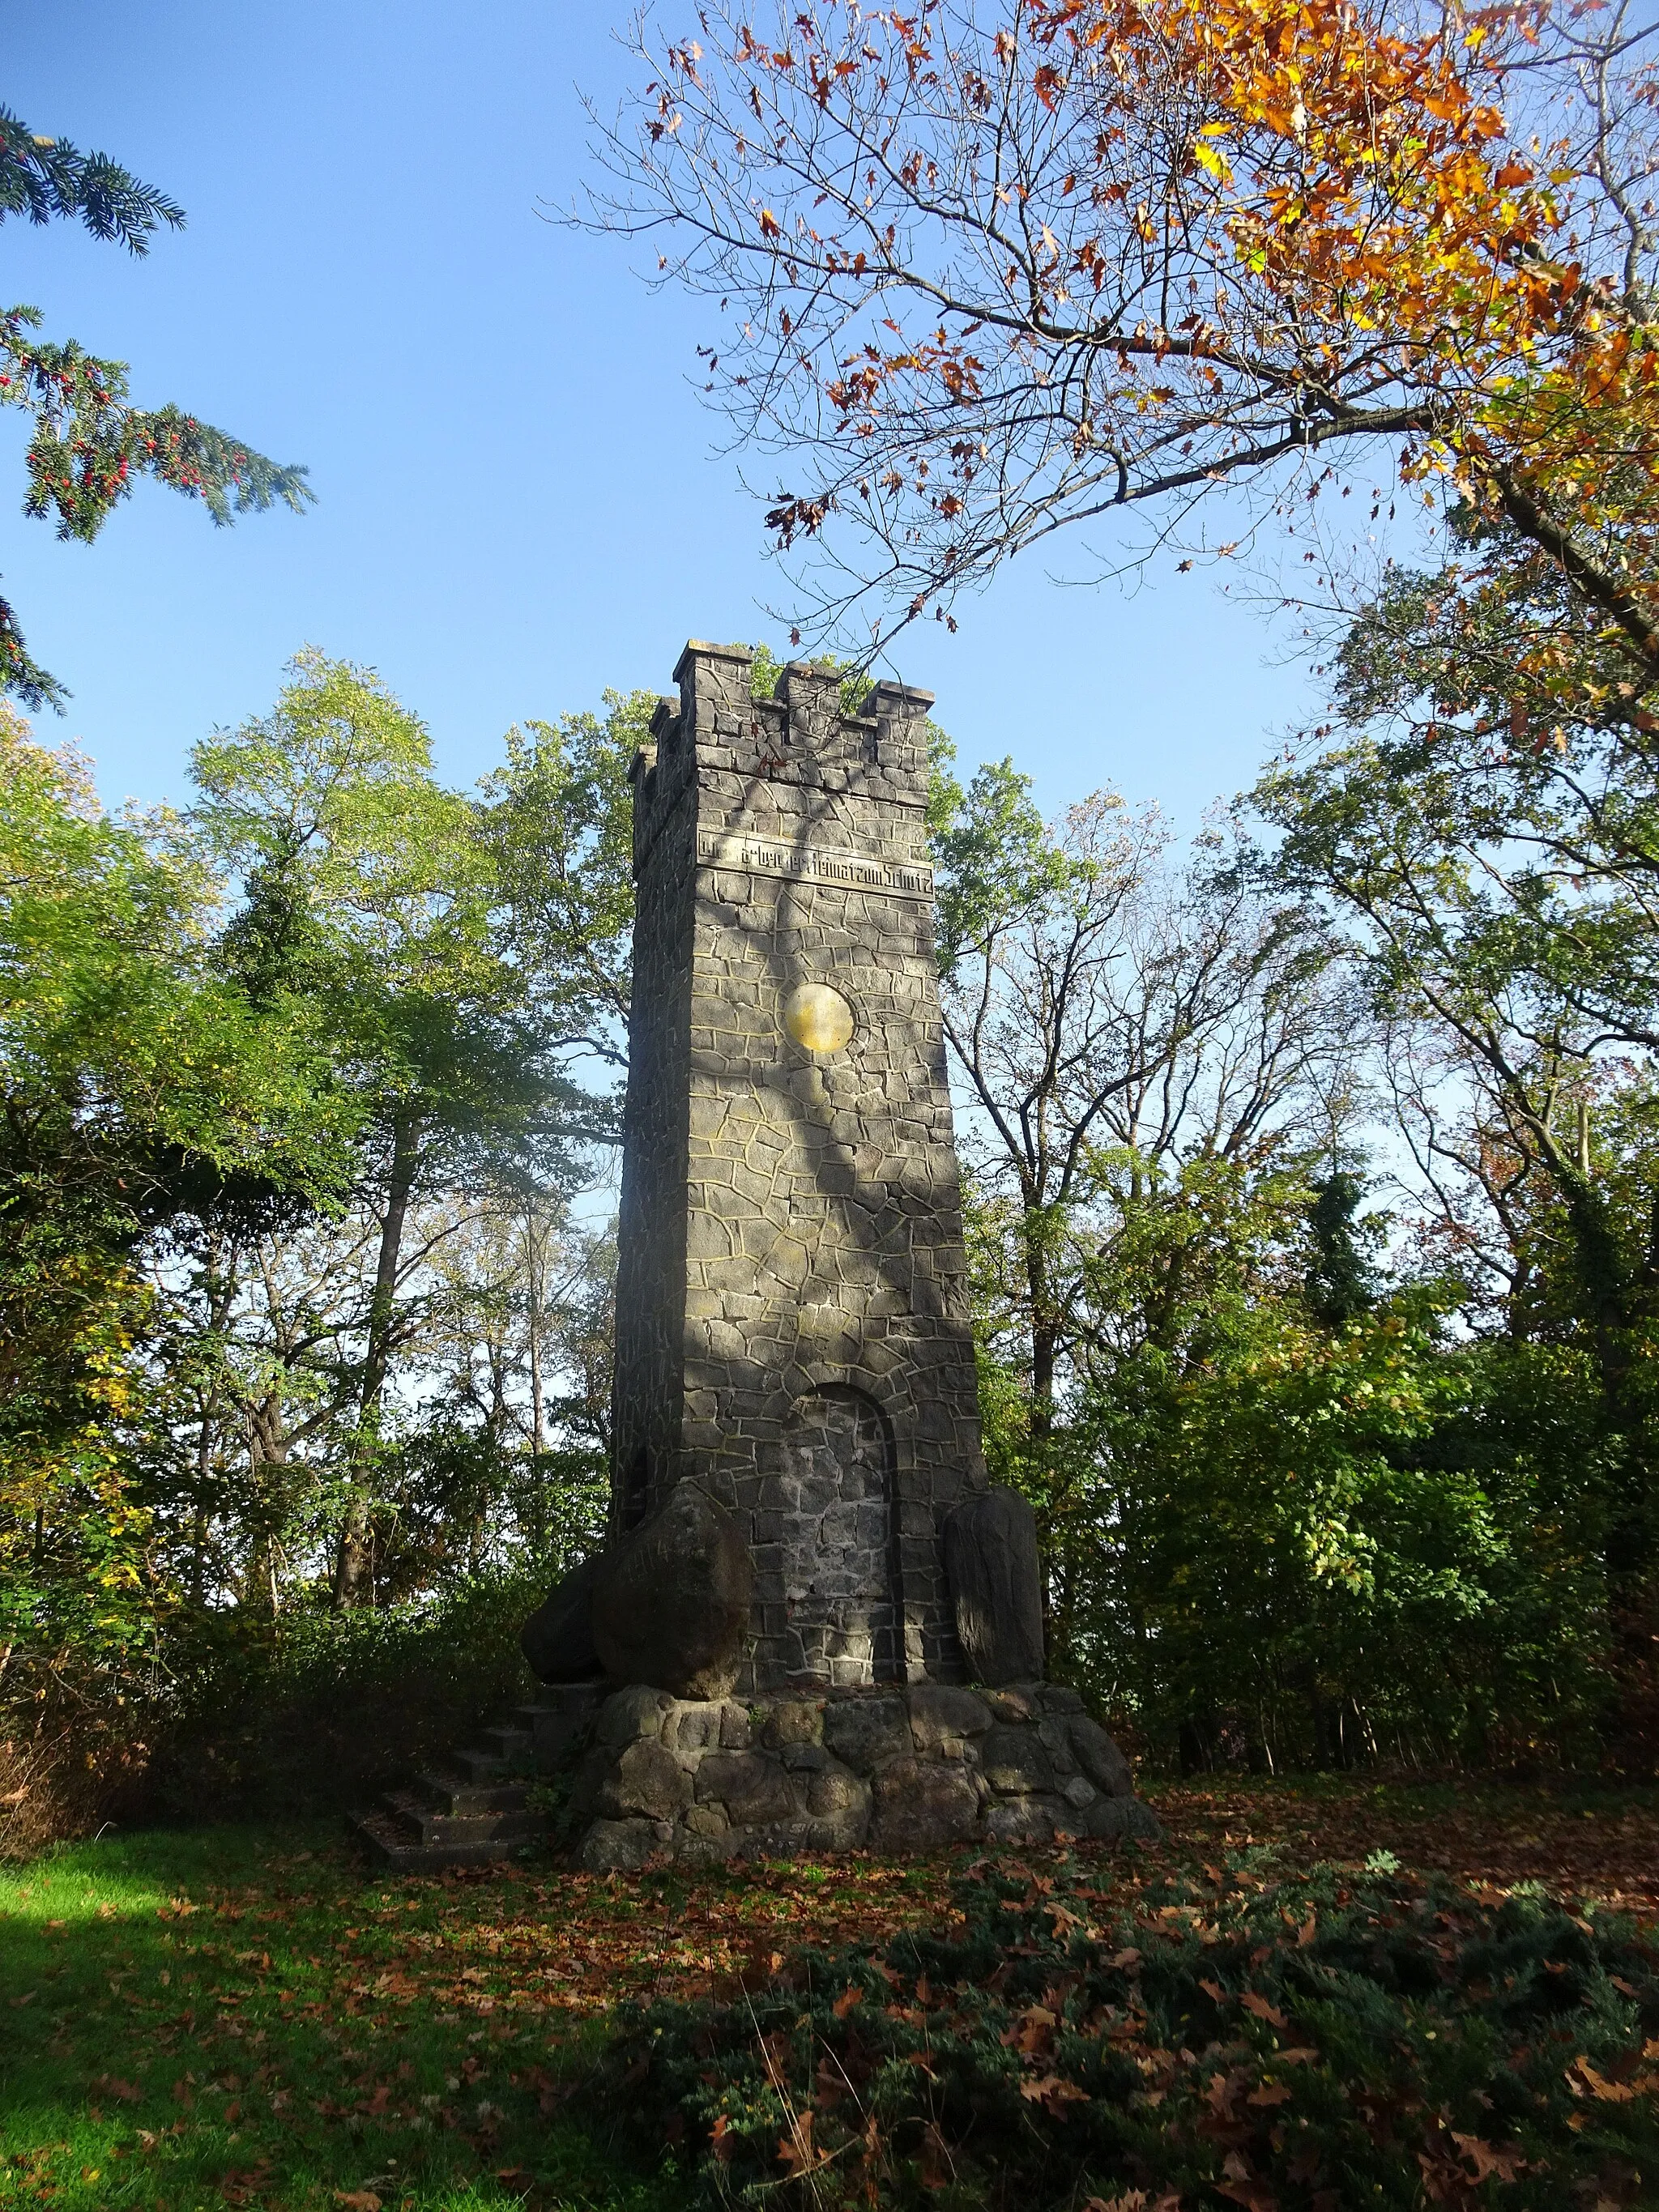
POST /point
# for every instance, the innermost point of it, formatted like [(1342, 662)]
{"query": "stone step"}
[(553, 1721), (481, 1766), (400, 1849), (566, 1698), (454, 1793), (504, 1826), (473, 1806), (509, 1742)]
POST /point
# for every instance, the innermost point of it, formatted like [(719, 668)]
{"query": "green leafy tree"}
[(1325, 1545), (559, 825), (467, 959), (375, 892), (1341, 1280), (1117, 1023), (1485, 830), (89, 445), (140, 1085), (1034, 948)]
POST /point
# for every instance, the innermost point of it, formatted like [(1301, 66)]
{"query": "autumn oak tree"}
[(990, 271)]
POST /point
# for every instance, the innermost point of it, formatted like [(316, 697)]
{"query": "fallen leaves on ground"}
[(1607, 1849), (1288, 2039), (305, 2005)]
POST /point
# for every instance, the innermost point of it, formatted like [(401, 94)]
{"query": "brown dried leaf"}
[(937, 2169), (797, 2151), (1242, 2188), (1485, 2157), (1610, 2093), (1270, 2093), (1054, 2093)]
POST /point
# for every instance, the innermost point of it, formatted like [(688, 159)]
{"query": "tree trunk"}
[(1045, 1353), (268, 1447), (536, 1514), (537, 1409), (354, 1567), (220, 1282), (1193, 1749), (1045, 1338), (200, 1524)]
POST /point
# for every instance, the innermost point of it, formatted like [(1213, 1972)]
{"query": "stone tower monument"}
[(793, 1328), (805, 1565)]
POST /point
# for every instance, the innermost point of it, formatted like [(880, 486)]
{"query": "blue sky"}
[(519, 499)]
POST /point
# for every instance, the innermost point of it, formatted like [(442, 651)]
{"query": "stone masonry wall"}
[(650, 1357), (827, 1496), (902, 1770), (792, 1318)]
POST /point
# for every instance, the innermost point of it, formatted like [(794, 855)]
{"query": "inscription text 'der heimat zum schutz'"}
[(816, 864)]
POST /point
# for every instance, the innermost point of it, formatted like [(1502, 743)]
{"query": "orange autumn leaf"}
[(1054, 2093), (1259, 2008), (1610, 2093)]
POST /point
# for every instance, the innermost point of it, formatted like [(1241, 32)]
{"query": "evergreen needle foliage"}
[(1304, 2042), (88, 444)]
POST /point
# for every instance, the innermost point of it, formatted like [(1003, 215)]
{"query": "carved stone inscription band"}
[(817, 864)]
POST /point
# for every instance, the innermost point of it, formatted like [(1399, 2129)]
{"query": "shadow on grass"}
[(217, 2017)]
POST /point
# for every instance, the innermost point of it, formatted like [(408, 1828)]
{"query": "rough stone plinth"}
[(897, 1770)]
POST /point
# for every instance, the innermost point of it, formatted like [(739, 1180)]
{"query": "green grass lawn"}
[(190, 2020)]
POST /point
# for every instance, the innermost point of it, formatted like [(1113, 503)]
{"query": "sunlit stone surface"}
[(817, 1017)]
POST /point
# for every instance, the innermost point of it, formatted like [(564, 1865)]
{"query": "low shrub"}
[(316, 1710), (242, 1716), (1308, 2043), (75, 1747), (33, 1810)]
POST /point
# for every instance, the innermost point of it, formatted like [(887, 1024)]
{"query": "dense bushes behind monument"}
[(244, 1719), (1330, 1550)]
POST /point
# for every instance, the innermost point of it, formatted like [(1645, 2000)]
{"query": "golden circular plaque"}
[(819, 1018)]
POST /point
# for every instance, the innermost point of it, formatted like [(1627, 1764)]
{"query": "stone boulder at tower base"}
[(557, 1640), (995, 1578), (671, 1599)]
